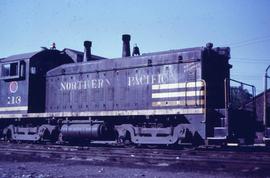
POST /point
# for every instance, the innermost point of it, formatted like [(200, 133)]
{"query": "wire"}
[(241, 74), (249, 41), (251, 60), (254, 78)]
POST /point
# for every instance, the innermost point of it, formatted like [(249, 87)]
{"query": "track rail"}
[(199, 159)]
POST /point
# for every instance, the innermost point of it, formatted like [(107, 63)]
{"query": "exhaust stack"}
[(87, 51), (126, 45)]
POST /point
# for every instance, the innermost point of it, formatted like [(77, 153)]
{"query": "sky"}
[(154, 25)]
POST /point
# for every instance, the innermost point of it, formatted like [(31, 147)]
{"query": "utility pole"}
[(265, 114)]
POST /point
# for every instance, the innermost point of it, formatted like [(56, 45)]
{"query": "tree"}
[(239, 97)]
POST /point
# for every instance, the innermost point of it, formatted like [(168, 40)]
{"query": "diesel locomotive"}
[(170, 97)]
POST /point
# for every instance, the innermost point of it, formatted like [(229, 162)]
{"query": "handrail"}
[(186, 93), (196, 87), (205, 92), (228, 96)]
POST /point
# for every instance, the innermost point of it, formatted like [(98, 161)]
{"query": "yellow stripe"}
[(14, 108), (178, 103), (177, 85), (177, 94)]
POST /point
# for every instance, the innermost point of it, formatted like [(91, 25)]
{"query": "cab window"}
[(11, 70)]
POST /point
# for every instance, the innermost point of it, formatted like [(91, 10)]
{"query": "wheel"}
[(60, 138), (125, 140), (197, 140), (8, 136), (55, 136), (121, 140), (45, 136)]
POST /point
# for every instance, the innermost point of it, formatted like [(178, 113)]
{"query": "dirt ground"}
[(59, 169)]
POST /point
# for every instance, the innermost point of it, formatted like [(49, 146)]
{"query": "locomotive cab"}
[(22, 80)]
